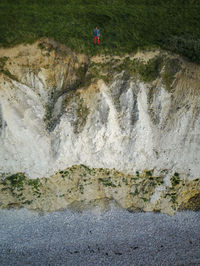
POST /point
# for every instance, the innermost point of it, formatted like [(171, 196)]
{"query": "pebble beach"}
[(113, 237)]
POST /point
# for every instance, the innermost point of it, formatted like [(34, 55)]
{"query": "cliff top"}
[(125, 25)]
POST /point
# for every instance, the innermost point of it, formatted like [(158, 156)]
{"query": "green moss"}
[(16, 181), (35, 183), (176, 174), (149, 173), (175, 179), (107, 182), (16, 184)]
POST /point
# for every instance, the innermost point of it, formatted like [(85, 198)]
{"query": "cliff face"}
[(134, 113), (35, 80)]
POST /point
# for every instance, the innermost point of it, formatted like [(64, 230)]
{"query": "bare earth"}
[(114, 237)]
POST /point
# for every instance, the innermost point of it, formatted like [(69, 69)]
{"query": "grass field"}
[(125, 25)]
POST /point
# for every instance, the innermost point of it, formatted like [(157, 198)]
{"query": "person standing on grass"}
[(96, 35)]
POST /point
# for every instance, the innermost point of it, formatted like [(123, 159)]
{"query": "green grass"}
[(125, 25)]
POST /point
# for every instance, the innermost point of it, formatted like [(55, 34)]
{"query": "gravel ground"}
[(115, 237)]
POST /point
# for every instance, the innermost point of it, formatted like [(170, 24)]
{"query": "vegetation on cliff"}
[(80, 186), (125, 24)]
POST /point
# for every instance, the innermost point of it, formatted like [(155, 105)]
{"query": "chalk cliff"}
[(135, 116)]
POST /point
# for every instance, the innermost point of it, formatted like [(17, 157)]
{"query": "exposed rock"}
[(80, 187), (130, 113)]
